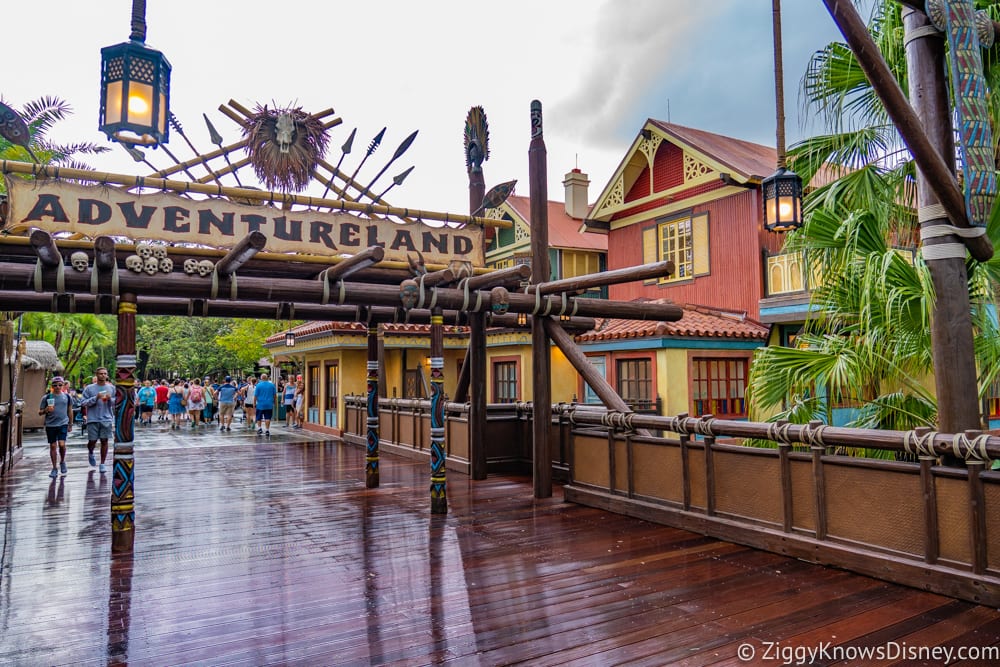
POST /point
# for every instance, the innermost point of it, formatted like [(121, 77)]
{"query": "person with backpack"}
[(58, 410), (195, 402)]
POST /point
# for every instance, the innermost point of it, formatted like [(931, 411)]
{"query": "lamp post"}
[(782, 190), (135, 88)]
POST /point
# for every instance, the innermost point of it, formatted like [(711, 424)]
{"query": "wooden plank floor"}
[(272, 552)]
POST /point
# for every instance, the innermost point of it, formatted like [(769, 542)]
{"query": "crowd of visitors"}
[(194, 403)]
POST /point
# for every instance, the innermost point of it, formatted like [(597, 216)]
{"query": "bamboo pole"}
[(930, 162), (25, 168)]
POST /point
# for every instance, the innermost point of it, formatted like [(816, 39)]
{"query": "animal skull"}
[(152, 265), (79, 260), (205, 268), (190, 266), (144, 250), (284, 128), (166, 265), (159, 251), (134, 263)]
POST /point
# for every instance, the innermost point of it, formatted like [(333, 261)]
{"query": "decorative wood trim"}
[(672, 208)]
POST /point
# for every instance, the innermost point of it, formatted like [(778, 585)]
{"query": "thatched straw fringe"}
[(12, 167), (40, 355)]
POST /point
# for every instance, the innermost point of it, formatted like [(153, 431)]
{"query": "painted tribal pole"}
[(439, 495), (122, 487), (371, 456)]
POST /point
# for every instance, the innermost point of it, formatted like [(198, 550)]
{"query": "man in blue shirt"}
[(58, 410), (225, 395), (99, 399), (263, 397)]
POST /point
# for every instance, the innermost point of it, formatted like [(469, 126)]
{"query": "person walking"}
[(195, 402), (99, 399), (225, 395), (249, 411), (288, 400), (162, 400), (300, 400), (147, 401), (175, 404), (264, 396), (57, 407)]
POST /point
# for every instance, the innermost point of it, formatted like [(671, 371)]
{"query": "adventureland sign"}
[(58, 206)]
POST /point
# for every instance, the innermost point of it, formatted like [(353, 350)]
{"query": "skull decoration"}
[(79, 260), (284, 128), (144, 250), (500, 300), (134, 263), (408, 293), (159, 251), (205, 268), (166, 265), (152, 265), (190, 266)]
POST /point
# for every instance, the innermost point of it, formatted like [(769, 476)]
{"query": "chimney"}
[(576, 183)]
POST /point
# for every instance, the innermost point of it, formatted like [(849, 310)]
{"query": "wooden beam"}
[(615, 277), (45, 248), (241, 253)]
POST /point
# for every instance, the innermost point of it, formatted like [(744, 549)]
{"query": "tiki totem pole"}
[(439, 496), (371, 457), (122, 488)]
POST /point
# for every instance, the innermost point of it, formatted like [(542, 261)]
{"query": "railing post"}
[(372, 432)]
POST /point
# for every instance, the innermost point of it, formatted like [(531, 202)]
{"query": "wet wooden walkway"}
[(254, 552)]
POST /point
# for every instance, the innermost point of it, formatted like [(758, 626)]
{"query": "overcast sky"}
[(599, 67)]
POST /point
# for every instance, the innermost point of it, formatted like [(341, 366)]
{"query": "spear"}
[(138, 155), (371, 149), (344, 150), (396, 180), (395, 156), (497, 195), (216, 139), (176, 124)]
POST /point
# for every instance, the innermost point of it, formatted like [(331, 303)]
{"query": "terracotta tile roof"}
[(697, 322), (564, 231), (330, 328)]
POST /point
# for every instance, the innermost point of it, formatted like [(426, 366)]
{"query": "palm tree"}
[(866, 340), (41, 115), (75, 337)]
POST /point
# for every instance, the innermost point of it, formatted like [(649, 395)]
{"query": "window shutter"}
[(650, 250), (699, 232)]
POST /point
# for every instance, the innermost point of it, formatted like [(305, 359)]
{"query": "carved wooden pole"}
[(541, 362), (371, 456), (122, 488), (474, 368), (952, 346), (439, 496)]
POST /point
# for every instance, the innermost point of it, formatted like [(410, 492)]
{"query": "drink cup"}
[(50, 402), (103, 395)]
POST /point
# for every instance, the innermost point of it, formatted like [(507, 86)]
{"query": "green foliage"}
[(76, 338), (186, 345), (245, 338)]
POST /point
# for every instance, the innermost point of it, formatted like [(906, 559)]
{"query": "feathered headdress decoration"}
[(477, 140), (285, 147)]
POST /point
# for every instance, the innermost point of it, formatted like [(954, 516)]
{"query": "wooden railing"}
[(921, 524)]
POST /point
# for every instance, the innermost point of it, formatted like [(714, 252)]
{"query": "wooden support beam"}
[(45, 248), (349, 265), (939, 177), (241, 253), (104, 253), (615, 277)]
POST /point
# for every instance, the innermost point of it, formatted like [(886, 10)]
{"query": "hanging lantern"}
[(782, 201), (135, 88), (289, 338)]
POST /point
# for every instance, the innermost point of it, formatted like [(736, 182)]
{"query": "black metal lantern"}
[(289, 338), (135, 88), (782, 193), (782, 190)]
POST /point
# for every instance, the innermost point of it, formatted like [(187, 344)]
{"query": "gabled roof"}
[(746, 159), (564, 231), (697, 322)]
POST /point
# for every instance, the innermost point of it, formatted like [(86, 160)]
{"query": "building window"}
[(718, 387), (993, 401), (635, 382), (676, 244), (600, 365), (331, 387), (505, 388)]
